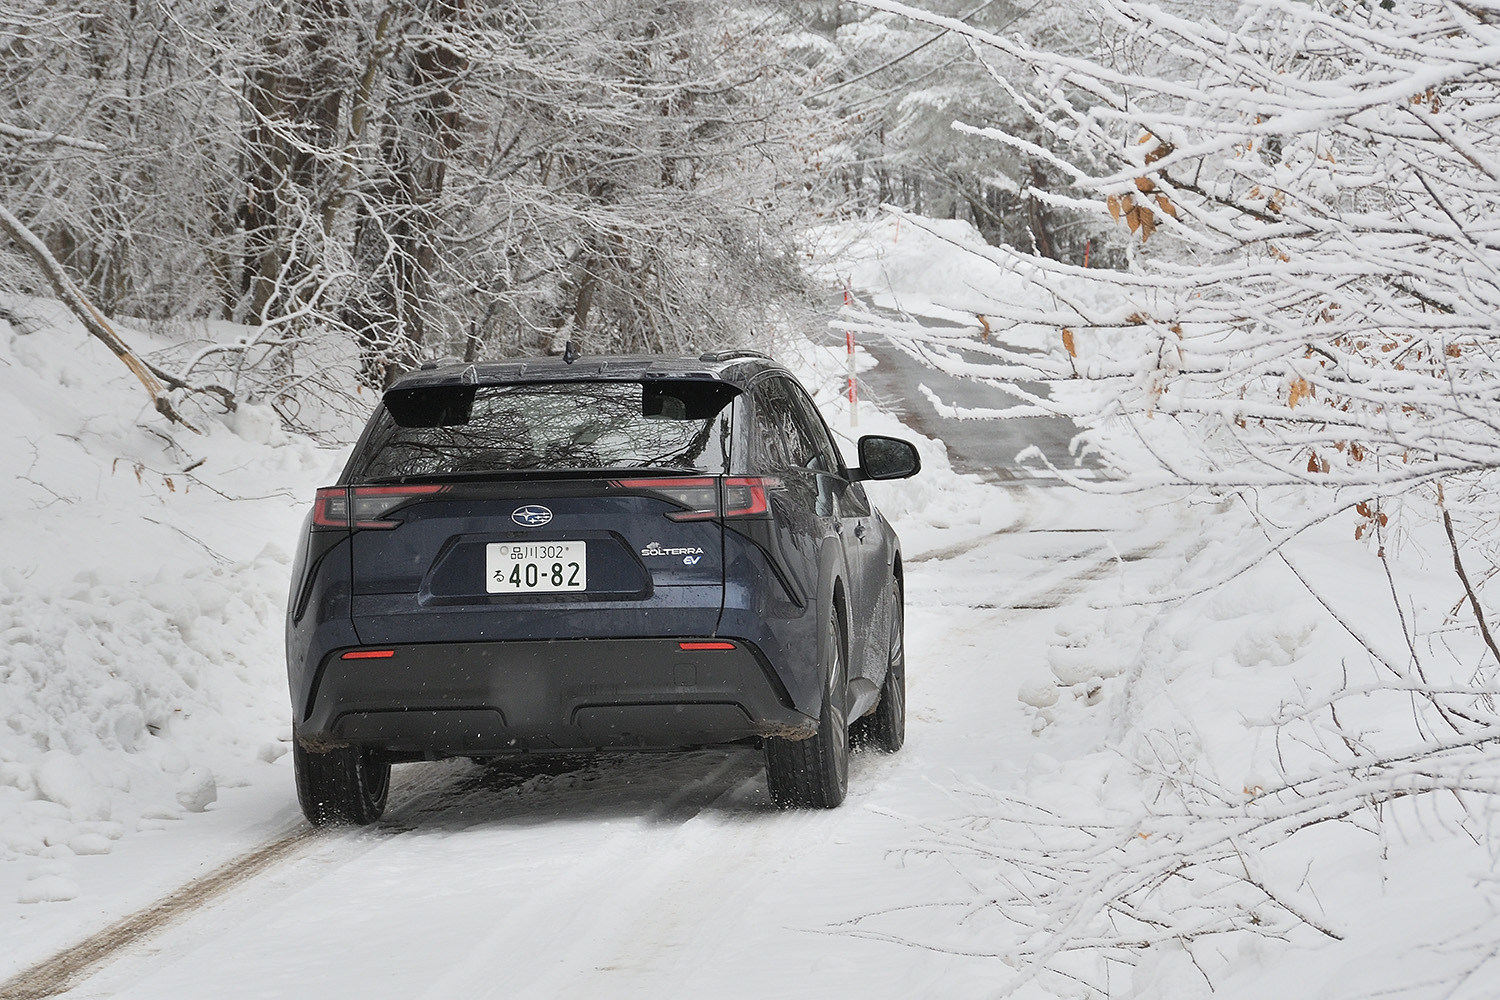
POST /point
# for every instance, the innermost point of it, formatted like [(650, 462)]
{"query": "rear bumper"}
[(439, 699)]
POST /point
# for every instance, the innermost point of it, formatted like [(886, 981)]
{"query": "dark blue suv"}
[(535, 556)]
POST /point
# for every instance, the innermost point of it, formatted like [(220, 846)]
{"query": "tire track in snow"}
[(1058, 578), (66, 969), (422, 796), (668, 788), (69, 968), (605, 893), (1055, 595)]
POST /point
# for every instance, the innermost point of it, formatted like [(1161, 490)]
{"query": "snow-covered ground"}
[(1109, 696)]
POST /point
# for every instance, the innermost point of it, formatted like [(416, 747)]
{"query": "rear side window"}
[(557, 426), (793, 433)]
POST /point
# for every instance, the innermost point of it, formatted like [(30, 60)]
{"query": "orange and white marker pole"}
[(853, 378)]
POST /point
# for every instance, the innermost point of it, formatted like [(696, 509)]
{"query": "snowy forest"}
[(1252, 251), (481, 180)]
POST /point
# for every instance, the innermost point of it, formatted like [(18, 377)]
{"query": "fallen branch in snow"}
[(156, 382)]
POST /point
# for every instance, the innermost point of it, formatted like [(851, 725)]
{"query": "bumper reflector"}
[(368, 654), (700, 646)]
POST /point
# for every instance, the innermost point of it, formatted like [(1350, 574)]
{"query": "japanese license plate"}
[(535, 567)]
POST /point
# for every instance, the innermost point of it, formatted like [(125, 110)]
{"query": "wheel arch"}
[(839, 602), (841, 608)]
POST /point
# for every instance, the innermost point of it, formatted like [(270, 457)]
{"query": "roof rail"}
[(714, 357)]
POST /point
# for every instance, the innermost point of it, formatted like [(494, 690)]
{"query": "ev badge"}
[(533, 515)]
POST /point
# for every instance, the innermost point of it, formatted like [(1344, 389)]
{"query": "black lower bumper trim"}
[(580, 694)]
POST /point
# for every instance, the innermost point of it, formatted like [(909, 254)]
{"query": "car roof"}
[(736, 367)]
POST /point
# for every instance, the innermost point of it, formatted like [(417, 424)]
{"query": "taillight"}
[(331, 508), (365, 506), (699, 495), (746, 495), (743, 496)]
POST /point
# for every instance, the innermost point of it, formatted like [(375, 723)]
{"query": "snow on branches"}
[(1312, 194), (1307, 198)]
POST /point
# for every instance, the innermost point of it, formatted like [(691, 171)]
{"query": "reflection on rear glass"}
[(445, 430)]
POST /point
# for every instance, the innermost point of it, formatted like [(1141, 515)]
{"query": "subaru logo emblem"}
[(533, 515)]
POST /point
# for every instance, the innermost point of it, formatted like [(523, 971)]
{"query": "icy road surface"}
[(653, 876), (986, 448)]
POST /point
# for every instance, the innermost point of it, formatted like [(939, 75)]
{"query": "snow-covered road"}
[(629, 875)]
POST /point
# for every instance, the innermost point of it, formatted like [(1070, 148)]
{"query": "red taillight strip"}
[(692, 515), (368, 654), (694, 647), (663, 484), (742, 496), (415, 491), (333, 506)]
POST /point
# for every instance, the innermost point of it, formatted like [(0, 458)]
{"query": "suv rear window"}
[(556, 426)]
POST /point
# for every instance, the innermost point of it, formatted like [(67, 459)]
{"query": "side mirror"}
[(882, 457)]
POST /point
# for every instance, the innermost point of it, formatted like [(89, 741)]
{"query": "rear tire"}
[(814, 773), (885, 728), (342, 785)]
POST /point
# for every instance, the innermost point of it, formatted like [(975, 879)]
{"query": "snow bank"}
[(141, 599), (941, 268)]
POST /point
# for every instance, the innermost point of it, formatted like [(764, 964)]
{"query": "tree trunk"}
[(394, 319)]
